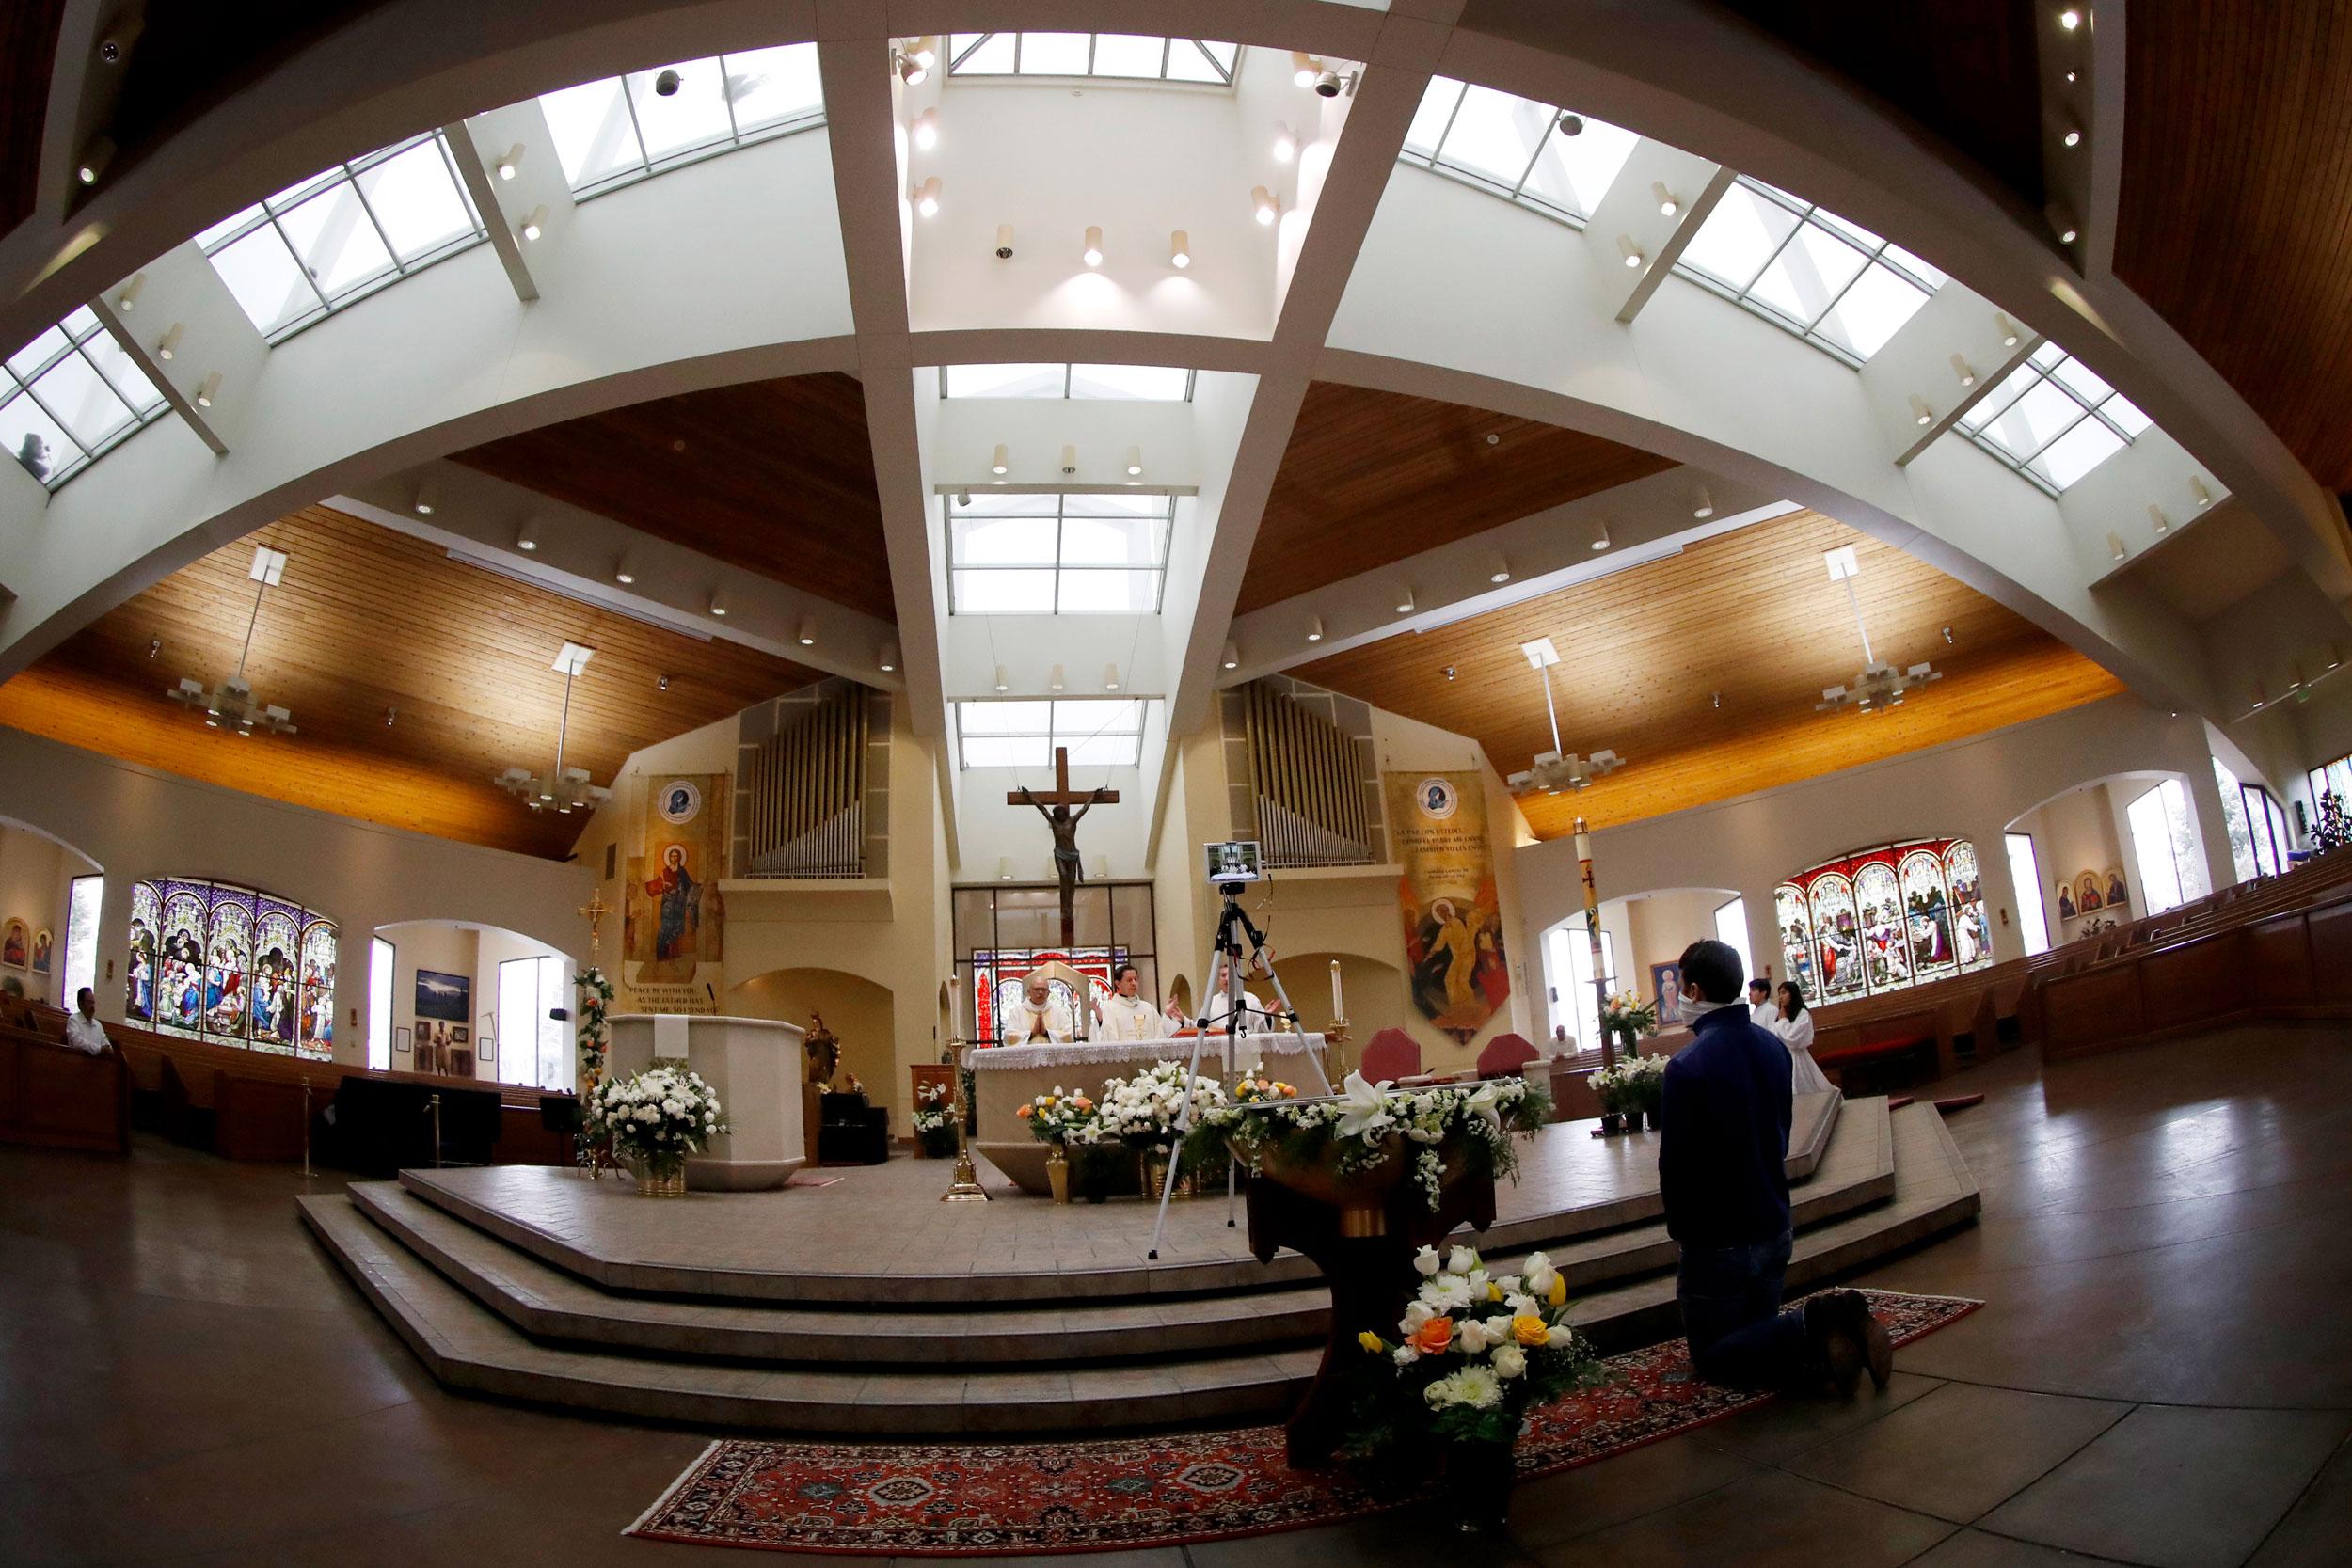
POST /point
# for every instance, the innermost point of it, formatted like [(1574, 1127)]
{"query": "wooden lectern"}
[(1367, 1255)]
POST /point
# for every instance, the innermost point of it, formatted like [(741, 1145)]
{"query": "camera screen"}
[(1234, 861)]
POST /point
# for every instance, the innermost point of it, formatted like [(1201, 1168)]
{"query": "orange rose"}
[(1528, 1329), (1081, 1103), (1434, 1336), (1026, 1111)]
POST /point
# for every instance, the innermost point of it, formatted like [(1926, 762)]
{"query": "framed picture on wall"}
[(41, 943), (487, 1049), (458, 1034), (400, 1040), (444, 998), (1665, 986), (16, 941)]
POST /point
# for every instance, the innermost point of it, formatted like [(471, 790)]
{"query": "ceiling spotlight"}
[(168, 346), (1600, 537), (1004, 241), (513, 160), (1667, 205), (1110, 677), (2071, 136), (1626, 248), (662, 683), (621, 574), (927, 129), (536, 223), (926, 197), (128, 296), (912, 71), (1233, 657), (1314, 628), (2008, 329), (2061, 223), (1263, 204), (924, 51), (1069, 460), (423, 504), (1703, 505), (806, 636), (1498, 570), (1179, 250), (1002, 461), (1004, 681), (95, 158), (1949, 637), (889, 659), (1054, 680), (2156, 517), (963, 498), (1405, 602), (1963, 369), (1285, 143), (2114, 545), (1329, 84), (1093, 252), (1135, 461), (2197, 488), (208, 389), (718, 604), (1449, 671), (391, 714), (1571, 125), (115, 45), (2070, 19), (1304, 68), (1920, 413), (527, 538)]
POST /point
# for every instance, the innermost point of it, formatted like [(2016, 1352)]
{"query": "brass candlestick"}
[(1335, 1037), (964, 1186)]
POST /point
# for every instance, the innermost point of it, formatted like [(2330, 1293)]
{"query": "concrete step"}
[(467, 1345)]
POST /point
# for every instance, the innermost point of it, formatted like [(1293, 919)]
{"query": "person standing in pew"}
[(83, 1031), (1723, 1174)]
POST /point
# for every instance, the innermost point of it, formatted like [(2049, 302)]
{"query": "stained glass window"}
[(215, 961), (1883, 920), (1002, 931)]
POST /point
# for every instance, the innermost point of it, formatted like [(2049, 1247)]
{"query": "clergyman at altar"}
[(1124, 1015), (1039, 1016)]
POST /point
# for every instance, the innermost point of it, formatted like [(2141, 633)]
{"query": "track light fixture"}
[(926, 197), (1135, 461), (1667, 205), (1702, 504), (1069, 460), (2008, 329), (1285, 143), (623, 572), (1178, 250), (2114, 545), (718, 604), (130, 294), (1404, 601), (1600, 537), (911, 70), (207, 390), (888, 661), (1110, 677), (1314, 628), (1498, 570), (95, 157), (1262, 203), (1304, 68), (1920, 413), (1233, 657), (806, 635), (927, 130), (424, 500), (1004, 241), (510, 161), (2197, 488), (1002, 462), (168, 347), (2156, 517), (1631, 252), (536, 223)]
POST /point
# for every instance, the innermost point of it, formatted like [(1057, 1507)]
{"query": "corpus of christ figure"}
[(1065, 825)]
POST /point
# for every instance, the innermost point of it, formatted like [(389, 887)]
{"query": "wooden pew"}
[(54, 1097)]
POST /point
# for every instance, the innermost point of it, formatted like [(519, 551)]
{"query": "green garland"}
[(596, 1041)]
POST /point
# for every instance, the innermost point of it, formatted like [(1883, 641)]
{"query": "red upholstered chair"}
[(1390, 1054), (1505, 1055)]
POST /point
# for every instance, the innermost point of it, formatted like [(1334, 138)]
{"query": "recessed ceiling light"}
[(2070, 19)]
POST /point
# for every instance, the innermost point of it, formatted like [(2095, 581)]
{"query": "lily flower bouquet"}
[(934, 1125), (1627, 1015), (1142, 1109), (658, 1117), (1371, 1130)]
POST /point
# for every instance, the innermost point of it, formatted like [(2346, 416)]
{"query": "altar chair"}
[(1507, 1056), (1390, 1056)]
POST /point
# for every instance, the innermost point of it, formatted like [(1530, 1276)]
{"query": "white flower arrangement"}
[(1366, 1124), (658, 1116), (931, 1109), (1143, 1108)]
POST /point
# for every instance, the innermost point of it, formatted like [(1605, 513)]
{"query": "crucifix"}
[(1065, 825), (594, 912)]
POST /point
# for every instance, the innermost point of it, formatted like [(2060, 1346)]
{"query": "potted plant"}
[(1610, 1087), (1059, 1120), (1474, 1354), (658, 1117), (1646, 1088), (934, 1122)]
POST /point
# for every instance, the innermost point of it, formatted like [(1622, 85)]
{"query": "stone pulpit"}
[(755, 1066)]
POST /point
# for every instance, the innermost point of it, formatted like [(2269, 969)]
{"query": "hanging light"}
[(561, 790), (1879, 686), (233, 706), (1558, 769)]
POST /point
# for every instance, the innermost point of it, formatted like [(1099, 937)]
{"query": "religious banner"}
[(1453, 914), (673, 918)]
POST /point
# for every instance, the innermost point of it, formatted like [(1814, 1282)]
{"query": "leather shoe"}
[(1835, 1344)]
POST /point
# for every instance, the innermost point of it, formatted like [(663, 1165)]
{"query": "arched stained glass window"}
[(216, 962), (1836, 937), (1887, 919), (1796, 935)]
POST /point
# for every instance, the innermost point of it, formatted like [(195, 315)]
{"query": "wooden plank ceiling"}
[(367, 621), (2236, 204), (1753, 616), (1371, 478), (775, 477)]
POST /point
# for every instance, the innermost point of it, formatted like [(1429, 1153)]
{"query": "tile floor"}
[(2163, 1374)]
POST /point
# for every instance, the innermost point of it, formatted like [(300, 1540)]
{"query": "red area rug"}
[(968, 1499)]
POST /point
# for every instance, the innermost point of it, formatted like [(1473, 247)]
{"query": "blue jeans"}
[(1732, 1316)]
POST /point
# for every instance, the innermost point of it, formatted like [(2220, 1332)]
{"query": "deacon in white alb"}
[(1038, 1018), (1124, 1015)]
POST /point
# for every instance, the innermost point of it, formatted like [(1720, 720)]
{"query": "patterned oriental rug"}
[(1172, 1489)]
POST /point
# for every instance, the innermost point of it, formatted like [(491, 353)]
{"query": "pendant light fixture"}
[(1879, 686), (561, 790), (233, 708), (1558, 769)]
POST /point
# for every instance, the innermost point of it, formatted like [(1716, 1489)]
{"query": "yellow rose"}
[(1370, 1342), (1494, 1292), (1559, 1292), (1528, 1329)]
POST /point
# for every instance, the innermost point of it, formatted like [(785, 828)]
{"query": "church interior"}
[(1193, 655)]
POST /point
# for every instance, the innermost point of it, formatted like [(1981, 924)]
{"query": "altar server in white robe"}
[(1762, 1010), (1039, 1018), (1795, 1028), (1255, 1019), (1124, 1015)]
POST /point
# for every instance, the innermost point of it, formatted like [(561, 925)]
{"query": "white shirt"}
[(1130, 1018), (1766, 1014), (1253, 1019), (1023, 1022), (85, 1034), (1797, 1030)]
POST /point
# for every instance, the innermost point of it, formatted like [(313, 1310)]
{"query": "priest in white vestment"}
[(1255, 1019), (1038, 1018), (1124, 1015)]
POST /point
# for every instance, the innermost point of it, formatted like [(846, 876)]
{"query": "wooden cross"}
[(1064, 823), (594, 912)]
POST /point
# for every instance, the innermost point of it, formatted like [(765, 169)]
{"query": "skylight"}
[(1134, 56), (340, 235), (620, 129), (1143, 383), (1101, 732), (1516, 148), (2052, 419), (1833, 283), (1058, 554), (69, 396)]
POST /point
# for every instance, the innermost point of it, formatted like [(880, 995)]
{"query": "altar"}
[(755, 1067), (1007, 1077)]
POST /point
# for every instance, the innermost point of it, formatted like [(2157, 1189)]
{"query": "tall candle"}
[(1339, 1008)]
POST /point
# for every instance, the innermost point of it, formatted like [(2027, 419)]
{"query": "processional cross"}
[(1065, 825), (594, 912)]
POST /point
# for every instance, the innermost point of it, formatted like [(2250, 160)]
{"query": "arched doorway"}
[(2110, 850), (862, 1014), (458, 997), (51, 895)]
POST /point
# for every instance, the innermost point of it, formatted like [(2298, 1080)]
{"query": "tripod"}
[(1233, 926)]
